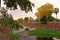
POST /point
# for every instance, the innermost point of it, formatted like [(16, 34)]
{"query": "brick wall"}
[(49, 25), (4, 34)]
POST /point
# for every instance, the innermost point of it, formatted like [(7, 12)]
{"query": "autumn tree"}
[(45, 11), (24, 5)]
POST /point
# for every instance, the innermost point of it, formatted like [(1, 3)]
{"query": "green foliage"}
[(20, 20), (43, 20), (5, 21), (44, 12), (31, 19), (51, 19), (11, 21), (14, 37), (44, 33), (20, 25), (16, 26), (5, 18), (25, 5), (26, 19)]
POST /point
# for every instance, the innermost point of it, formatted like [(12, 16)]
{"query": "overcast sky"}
[(21, 14)]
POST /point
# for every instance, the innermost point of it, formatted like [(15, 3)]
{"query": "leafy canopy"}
[(45, 10), (25, 5)]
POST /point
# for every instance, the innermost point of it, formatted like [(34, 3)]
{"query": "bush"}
[(20, 25), (43, 20), (17, 26)]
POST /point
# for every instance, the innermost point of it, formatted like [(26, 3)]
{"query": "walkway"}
[(25, 36)]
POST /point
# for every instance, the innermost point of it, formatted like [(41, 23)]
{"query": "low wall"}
[(4, 34), (4, 37), (49, 25)]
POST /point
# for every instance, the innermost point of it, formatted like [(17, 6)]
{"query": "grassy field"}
[(44, 33)]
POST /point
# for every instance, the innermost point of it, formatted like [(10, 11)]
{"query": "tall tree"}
[(25, 5), (11, 19), (5, 17), (45, 11)]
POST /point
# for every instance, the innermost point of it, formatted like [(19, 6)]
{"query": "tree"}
[(51, 19), (37, 20), (26, 19), (45, 11), (11, 22), (8, 22), (5, 17), (56, 10), (25, 5), (11, 19), (20, 20), (31, 19), (17, 25), (43, 20)]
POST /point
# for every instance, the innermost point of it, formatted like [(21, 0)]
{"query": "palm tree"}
[(56, 10)]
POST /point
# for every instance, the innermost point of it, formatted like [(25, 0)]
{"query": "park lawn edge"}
[(44, 33)]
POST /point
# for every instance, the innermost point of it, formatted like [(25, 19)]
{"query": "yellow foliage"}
[(44, 10)]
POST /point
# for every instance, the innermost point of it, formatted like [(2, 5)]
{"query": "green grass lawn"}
[(44, 33), (38, 33), (16, 36)]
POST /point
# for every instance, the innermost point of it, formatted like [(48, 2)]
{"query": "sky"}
[(38, 3)]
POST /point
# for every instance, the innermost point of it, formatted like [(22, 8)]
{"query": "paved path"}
[(22, 29), (28, 38), (25, 36)]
